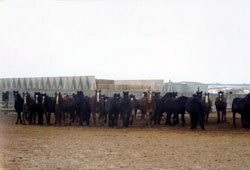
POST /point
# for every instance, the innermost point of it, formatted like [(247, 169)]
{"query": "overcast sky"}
[(181, 40)]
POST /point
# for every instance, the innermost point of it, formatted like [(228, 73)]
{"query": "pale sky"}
[(182, 40)]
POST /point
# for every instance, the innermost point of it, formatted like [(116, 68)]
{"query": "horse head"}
[(26, 98), (58, 97), (221, 95), (16, 95), (125, 97), (98, 95), (150, 96), (206, 97)]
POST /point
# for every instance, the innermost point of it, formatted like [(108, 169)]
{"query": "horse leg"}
[(55, 118), (87, 118), (168, 119), (132, 116), (46, 116), (110, 120), (124, 120), (201, 121), (58, 117), (34, 118), (116, 119), (207, 115), (81, 118), (23, 117), (64, 118), (159, 118), (127, 124), (243, 120), (234, 124), (94, 118), (135, 113), (196, 119), (146, 118), (153, 117), (48, 120), (183, 122), (218, 116), (101, 119), (18, 117), (30, 117), (225, 115), (192, 121), (177, 118)]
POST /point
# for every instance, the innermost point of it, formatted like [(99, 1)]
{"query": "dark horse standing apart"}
[(207, 105), (126, 109), (82, 108), (242, 106), (221, 106), (195, 110), (97, 106), (18, 106)]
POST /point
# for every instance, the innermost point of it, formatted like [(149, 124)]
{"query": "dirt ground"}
[(49, 147)]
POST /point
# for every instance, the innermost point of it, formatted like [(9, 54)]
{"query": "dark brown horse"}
[(134, 107), (63, 105), (207, 105), (28, 109), (147, 105), (97, 106), (18, 106), (221, 106)]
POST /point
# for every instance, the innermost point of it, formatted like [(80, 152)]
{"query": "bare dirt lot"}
[(40, 147)]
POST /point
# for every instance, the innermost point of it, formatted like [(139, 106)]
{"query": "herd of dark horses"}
[(78, 108)]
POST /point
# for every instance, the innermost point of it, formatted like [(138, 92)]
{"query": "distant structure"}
[(170, 86), (48, 85), (185, 88)]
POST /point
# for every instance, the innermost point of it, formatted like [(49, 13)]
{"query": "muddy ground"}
[(220, 146)]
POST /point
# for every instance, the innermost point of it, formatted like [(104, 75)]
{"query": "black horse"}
[(157, 115), (48, 107), (29, 109), (36, 108), (106, 107), (126, 109), (195, 110), (18, 106), (221, 106), (179, 108), (115, 110), (242, 106), (207, 105), (167, 105), (82, 108)]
